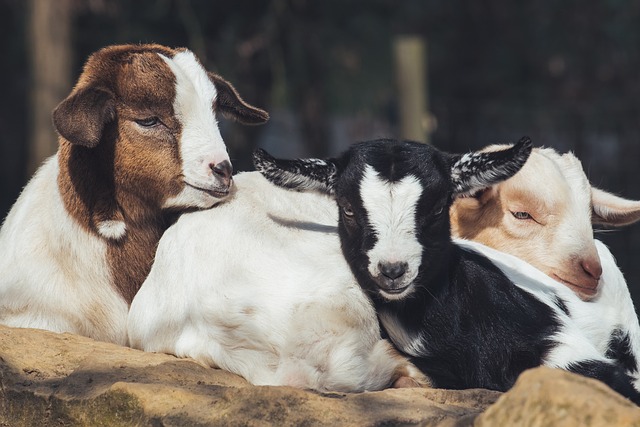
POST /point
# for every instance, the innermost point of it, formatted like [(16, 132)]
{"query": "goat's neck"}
[(92, 199), (432, 288)]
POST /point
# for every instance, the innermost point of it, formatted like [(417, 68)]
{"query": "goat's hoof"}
[(405, 382)]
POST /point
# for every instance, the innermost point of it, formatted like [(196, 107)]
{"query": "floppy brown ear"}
[(232, 106), (82, 116)]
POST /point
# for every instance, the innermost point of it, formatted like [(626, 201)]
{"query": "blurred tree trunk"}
[(410, 57), (50, 60)]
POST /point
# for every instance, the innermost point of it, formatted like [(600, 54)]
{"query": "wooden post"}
[(411, 78), (50, 60)]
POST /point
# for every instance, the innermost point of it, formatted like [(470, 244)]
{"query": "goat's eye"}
[(347, 211), (521, 215), (148, 122)]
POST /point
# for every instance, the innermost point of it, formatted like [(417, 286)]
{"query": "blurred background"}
[(459, 74)]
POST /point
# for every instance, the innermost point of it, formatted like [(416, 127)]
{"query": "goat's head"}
[(149, 113), (394, 199), (544, 215)]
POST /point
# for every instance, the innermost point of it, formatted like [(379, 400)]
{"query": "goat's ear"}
[(609, 209), (478, 170), (301, 174), (232, 106), (82, 116)]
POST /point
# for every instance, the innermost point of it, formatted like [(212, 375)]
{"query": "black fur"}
[(305, 174), (559, 302), (608, 373), (475, 335), (474, 171), (620, 350)]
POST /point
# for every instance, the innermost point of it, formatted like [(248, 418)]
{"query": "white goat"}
[(544, 215), (139, 142), (258, 286)]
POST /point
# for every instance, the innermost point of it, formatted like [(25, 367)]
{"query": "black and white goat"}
[(450, 308)]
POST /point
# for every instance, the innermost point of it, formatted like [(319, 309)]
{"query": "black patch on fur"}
[(611, 374), (559, 302), (474, 171), (301, 174), (620, 350)]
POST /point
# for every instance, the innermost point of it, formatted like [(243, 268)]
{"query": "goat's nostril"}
[(592, 267), (393, 270), (223, 170)]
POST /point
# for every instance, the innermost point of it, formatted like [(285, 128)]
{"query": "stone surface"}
[(550, 397), (49, 379)]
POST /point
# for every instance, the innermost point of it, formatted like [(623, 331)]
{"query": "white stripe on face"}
[(201, 144), (391, 210)]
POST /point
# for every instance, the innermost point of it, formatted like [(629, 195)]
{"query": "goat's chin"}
[(396, 295), (585, 291), (196, 198)]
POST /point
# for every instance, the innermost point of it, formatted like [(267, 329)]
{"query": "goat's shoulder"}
[(512, 291)]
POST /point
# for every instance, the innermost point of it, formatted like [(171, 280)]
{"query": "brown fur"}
[(112, 169)]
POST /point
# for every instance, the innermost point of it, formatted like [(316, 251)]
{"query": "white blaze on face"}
[(201, 144), (391, 210)]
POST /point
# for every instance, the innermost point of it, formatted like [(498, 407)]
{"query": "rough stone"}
[(49, 379), (551, 397)]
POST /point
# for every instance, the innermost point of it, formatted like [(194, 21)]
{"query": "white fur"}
[(411, 345), (391, 212), (111, 229), (201, 144), (258, 286), (54, 274)]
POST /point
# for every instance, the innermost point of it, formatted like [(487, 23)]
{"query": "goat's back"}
[(259, 286)]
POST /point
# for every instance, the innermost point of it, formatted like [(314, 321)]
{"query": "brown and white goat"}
[(544, 215), (139, 142)]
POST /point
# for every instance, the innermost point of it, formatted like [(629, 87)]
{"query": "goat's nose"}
[(592, 267), (393, 270), (223, 171)]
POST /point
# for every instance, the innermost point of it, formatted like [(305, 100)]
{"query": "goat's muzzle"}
[(391, 277), (222, 172)]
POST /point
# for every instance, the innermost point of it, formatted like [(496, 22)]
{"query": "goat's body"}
[(609, 322), (472, 306), (615, 304), (54, 272), (278, 305), (495, 316)]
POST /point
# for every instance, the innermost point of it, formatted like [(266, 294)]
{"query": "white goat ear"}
[(300, 174), (477, 170), (609, 209)]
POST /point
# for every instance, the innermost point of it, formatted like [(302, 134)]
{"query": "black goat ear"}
[(300, 174), (478, 170), (232, 106), (82, 116)]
